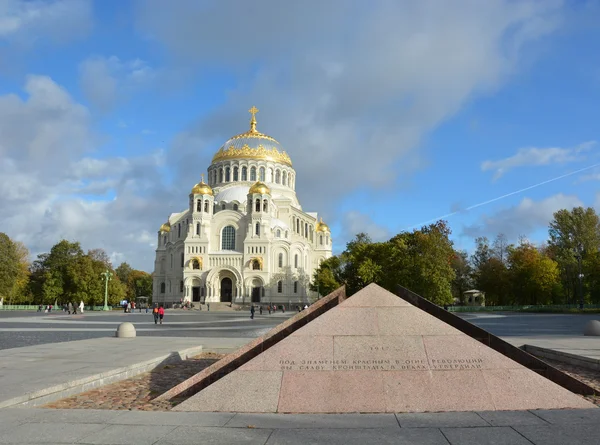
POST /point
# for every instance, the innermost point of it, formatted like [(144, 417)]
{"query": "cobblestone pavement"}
[(138, 392)]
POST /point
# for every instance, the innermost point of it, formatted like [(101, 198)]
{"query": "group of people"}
[(70, 308), (158, 313), (271, 309)]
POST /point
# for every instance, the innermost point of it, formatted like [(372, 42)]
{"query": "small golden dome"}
[(166, 227), (202, 188), (259, 187), (322, 227)]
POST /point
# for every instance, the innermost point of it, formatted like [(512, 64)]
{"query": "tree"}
[(535, 277), (9, 266), (20, 293), (490, 274), (462, 276), (327, 277), (574, 232)]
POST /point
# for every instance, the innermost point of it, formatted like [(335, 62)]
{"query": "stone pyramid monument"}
[(376, 353)]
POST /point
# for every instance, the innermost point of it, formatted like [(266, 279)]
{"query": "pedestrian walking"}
[(260, 309), (81, 306), (161, 313), (155, 313), (252, 310), (70, 307), (269, 306)]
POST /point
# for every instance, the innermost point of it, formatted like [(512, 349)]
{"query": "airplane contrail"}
[(489, 201)]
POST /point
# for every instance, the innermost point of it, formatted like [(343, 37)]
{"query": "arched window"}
[(223, 206), (295, 287), (162, 288), (195, 264), (244, 174), (228, 238), (296, 261), (311, 233), (206, 206), (182, 260), (261, 174), (253, 174), (277, 176), (235, 173), (179, 230), (255, 265), (257, 229), (198, 206), (165, 240), (280, 260), (235, 207), (321, 239), (297, 226), (278, 233), (280, 287), (257, 205), (214, 208), (181, 286), (221, 175), (284, 178), (265, 206), (197, 228)]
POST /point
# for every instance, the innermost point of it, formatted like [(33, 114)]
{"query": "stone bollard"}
[(592, 328), (125, 330)]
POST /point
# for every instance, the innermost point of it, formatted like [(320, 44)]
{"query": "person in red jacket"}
[(161, 313)]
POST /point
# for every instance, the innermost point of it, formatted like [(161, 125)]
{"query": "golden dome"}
[(252, 145), (322, 227), (259, 187), (202, 188), (166, 227)]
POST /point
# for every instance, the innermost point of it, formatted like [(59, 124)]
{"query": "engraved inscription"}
[(367, 364)]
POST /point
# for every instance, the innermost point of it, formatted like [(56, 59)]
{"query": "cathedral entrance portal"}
[(226, 290), (256, 295), (195, 293)]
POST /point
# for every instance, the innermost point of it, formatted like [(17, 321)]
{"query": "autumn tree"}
[(463, 275), (9, 266), (490, 272)]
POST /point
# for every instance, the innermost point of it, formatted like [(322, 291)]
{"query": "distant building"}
[(474, 297), (244, 236)]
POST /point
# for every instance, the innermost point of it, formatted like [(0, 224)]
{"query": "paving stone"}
[(570, 416), (484, 435), (421, 436), (510, 418), (215, 436), (561, 434), (277, 421), (49, 432), (172, 418), (439, 420), (128, 434), (16, 416), (73, 416)]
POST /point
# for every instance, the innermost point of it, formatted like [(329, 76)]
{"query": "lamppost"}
[(578, 255), (107, 276)]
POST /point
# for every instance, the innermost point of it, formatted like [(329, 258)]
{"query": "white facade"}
[(244, 236)]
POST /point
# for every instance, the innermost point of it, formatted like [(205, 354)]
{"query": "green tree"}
[(534, 277), (575, 232), (463, 272), (327, 277), (490, 274), (9, 266)]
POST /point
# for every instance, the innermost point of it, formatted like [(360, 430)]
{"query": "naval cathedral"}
[(244, 236)]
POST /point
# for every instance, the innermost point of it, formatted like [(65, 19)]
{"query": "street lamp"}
[(107, 276), (580, 276)]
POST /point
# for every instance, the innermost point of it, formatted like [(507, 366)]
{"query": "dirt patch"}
[(138, 393), (588, 376)]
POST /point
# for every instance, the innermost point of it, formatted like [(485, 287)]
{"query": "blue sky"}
[(394, 113)]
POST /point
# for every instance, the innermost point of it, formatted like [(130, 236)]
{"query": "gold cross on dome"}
[(202, 177), (253, 112)]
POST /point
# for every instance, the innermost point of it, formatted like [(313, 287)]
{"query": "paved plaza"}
[(19, 328)]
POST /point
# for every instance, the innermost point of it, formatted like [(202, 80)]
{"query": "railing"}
[(527, 308), (225, 259)]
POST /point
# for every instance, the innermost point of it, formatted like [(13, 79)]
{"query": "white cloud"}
[(522, 219), (104, 80), (355, 222), (27, 21), (47, 169), (348, 94), (533, 156)]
